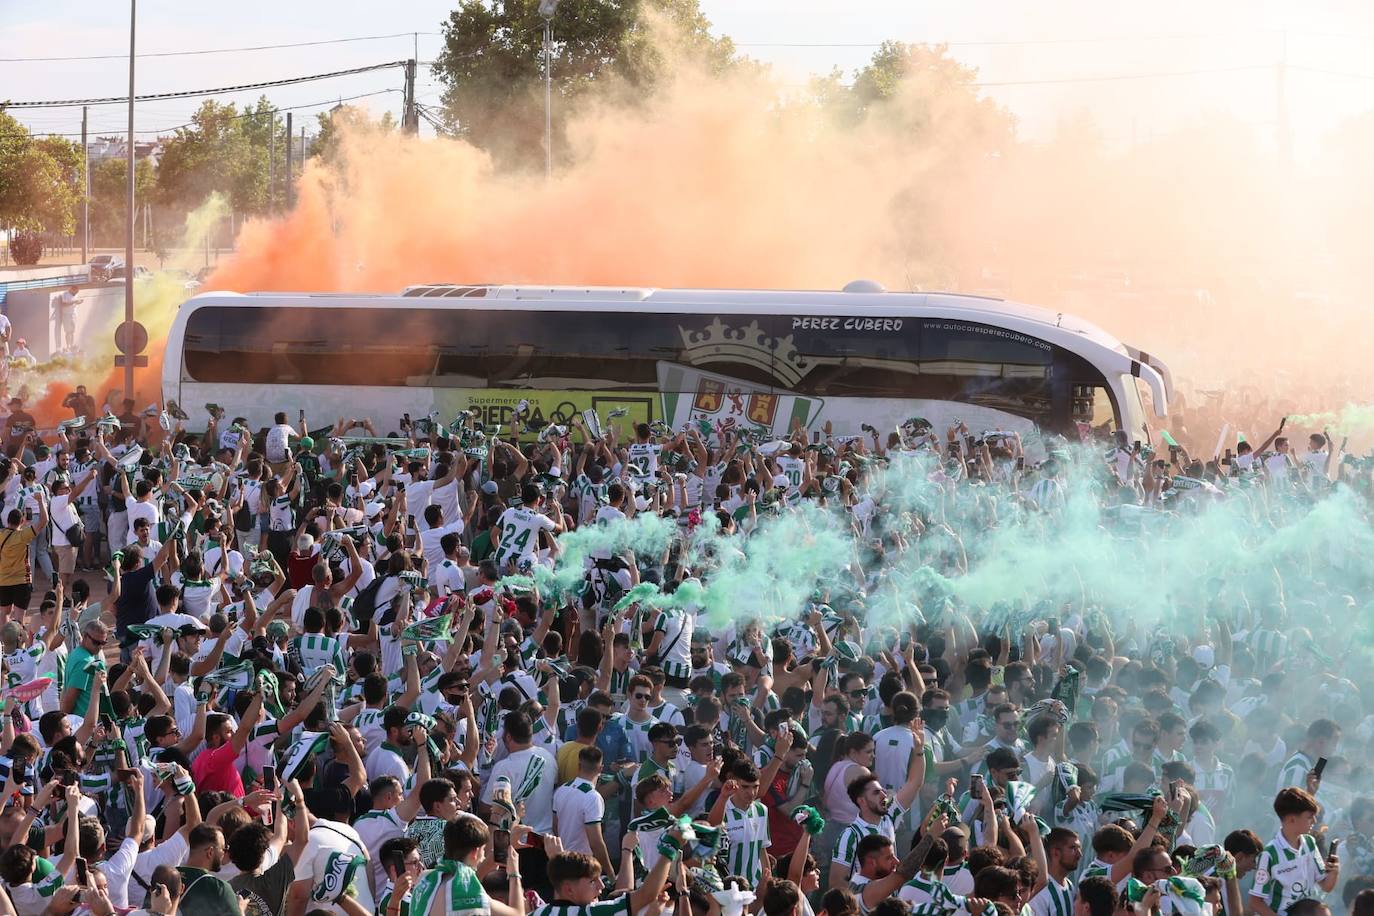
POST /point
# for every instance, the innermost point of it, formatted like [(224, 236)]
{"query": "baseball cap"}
[(780, 481), (489, 488)]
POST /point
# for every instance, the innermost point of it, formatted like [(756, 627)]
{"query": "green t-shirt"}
[(481, 547), (203, 894), (77, 676)]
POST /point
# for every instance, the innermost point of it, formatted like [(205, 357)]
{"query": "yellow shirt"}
[(567, 760), (14, 555)]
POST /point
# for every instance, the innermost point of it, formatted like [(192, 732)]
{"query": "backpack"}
[(365, 605), (243, 518)]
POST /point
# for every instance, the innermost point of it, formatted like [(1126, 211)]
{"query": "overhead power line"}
[(246, 115), (293, 44), (987, 44), (1325, 71), (192, 93), (1106, 78)]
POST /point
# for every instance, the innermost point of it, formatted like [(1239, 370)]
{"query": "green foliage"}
[(492, 63), (109, 190), (40, 179), (26, 248), (223, 150), (331, 124)]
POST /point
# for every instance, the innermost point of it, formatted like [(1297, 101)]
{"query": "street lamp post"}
[(546, 9), (129, 211)]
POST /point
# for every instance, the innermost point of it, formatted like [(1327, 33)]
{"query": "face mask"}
[(935, 719)]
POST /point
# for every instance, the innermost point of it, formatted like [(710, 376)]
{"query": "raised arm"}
[(250, 719), (916, 767), (356, 780), (1122, 869), (1270, 441)]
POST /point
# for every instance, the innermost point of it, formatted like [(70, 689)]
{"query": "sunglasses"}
[(642, 696), (858, 693), (675, 742)]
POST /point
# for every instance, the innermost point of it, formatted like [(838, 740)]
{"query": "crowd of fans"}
[(442, 672)]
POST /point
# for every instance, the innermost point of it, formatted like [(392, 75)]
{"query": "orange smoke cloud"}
[(1192, 246)]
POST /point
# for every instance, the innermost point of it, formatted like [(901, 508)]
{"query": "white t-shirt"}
[(167, 852), (1277, 466), (364, 578), (138, 510), (446, 498), (430, 538), (385, 762), (375, 828), (532, 773), (274, 449), (214, 565), (63, 515), (329, 839), (577, 804), (252, 494), (447, 577), (418, 494)]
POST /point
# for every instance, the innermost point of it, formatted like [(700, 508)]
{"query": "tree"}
[(492, 63), (925, 90), (109, 196), (40, 180), (340, 119), (223, 150)]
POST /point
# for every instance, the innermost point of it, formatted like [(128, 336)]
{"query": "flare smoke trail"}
[(1183, 570)]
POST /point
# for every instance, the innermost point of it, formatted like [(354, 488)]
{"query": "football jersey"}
[(520, 529), (575, 805), (847, 846), (747, 829), (645, 454), (316, 650), (1285, 874), (675, 648), (280, 516), (794, 469), (1054, 899)]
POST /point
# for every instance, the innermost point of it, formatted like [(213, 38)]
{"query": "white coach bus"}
[(758, 358)]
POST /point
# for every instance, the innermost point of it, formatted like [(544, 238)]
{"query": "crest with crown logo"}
[(750, 345)]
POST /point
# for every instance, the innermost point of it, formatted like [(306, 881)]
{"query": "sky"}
[(1168, 61)]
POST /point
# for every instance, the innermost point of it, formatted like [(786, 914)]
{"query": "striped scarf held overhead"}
[(1129, 802)]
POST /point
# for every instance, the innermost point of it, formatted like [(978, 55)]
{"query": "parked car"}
[(184, 277), (101, 265), (140, 273)]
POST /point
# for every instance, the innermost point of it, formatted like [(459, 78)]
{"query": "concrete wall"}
[(31, 313)]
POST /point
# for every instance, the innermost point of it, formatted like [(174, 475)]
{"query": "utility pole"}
[(129, 214), (288, 160), (1283, 131), (546, 9), (85, 192), (410, 114), (272, 161)]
